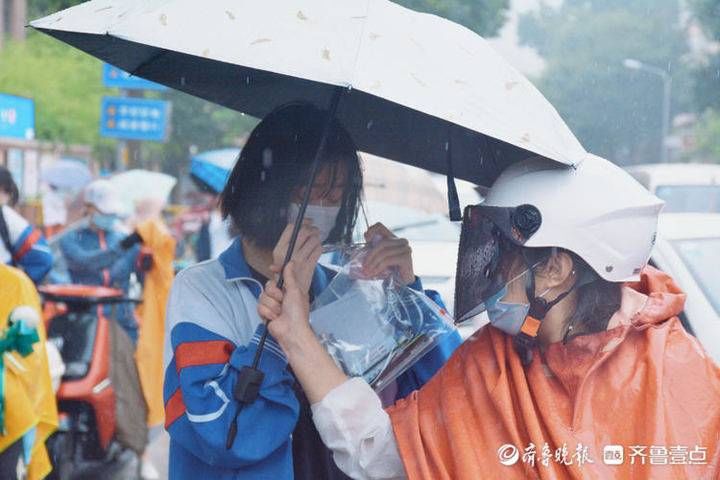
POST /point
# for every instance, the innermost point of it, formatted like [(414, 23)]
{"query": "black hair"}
[(597, 299), (276, 160), (7, 184)]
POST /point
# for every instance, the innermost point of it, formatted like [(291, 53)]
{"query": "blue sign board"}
[(117, 78), (17, 117), (134, 118)]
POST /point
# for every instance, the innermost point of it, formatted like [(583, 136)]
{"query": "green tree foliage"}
[(40, 8), (707, 74), (707, 83), (708, 14), (708, 137), (65, 84), (481, 16), (615, 112)]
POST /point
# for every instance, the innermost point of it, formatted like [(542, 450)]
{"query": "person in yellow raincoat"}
[(157, 241), (30, 411), (583, 372), (149, 352)]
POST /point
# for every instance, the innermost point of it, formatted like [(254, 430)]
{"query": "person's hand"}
[(308, 249), (388, 251), (286, 313)]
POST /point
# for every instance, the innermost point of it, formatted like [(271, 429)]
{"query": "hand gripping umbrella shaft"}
[(250, 378)]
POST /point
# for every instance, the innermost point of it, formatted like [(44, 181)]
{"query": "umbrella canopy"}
[(136, 185), (213, 167), (417, 83), (67, 174)]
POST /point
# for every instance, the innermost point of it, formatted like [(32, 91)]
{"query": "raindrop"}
[(369, 124), (182, 81), (247, 80), (163, 20), (262, 176), (267, 158)]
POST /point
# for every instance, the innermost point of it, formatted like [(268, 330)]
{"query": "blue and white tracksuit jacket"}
[(213, 330), (29, 250)]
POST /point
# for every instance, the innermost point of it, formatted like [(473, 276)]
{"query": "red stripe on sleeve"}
[(174, 408), (27, 245), (192, 354)]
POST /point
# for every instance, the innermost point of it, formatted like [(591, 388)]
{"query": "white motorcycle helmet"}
[(595, 210)]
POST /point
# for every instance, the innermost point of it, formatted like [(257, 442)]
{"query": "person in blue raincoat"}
[(102, 253), (213, 327)]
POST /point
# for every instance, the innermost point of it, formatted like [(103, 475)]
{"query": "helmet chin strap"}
[(539, 308)]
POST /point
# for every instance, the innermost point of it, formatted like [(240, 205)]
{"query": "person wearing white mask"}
[(213, 327)]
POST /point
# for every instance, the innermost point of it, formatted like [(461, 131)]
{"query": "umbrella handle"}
[(250, 378)]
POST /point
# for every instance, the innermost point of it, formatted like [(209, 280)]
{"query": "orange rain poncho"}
[(149, 354), (644, 387)]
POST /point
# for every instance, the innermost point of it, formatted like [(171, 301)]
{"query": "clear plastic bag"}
[(375, 328)]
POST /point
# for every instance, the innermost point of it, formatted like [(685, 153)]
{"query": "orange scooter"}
[(84, 445)]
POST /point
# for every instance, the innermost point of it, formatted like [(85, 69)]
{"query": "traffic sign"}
[(117, 78), (134, 118), (17, 117)]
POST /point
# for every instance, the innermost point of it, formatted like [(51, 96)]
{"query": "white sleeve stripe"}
[(209, 417)]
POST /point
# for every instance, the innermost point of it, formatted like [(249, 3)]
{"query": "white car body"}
[(685, 187), (697, 235)]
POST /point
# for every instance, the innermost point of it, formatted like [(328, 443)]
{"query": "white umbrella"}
[(137, 185), (408, 86), (416, 81)]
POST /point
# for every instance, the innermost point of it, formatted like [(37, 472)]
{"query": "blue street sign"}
[(134, 118), (117, 78), (17, 117)]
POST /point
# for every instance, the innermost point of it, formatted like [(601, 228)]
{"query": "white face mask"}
[(323, 218)]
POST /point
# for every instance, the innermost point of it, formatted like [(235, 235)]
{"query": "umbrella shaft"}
[(311, 181), (306, 199)]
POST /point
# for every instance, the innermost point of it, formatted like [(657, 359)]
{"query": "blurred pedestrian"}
[(54, 209), (103, 253), (21, 244)]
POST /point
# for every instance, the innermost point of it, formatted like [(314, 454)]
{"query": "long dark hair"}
[(276, 160), (7, 184)]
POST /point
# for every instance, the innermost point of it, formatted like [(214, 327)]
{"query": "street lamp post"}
[(633, 64)]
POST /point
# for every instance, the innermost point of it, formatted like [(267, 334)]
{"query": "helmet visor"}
[(489, 254)]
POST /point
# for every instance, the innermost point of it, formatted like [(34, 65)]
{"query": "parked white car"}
[(685, 187), (688, 249)]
